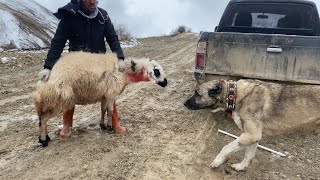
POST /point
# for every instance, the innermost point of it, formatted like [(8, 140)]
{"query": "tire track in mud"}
[(14, 99)]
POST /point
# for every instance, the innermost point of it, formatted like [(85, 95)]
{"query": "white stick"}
[(262, 147)]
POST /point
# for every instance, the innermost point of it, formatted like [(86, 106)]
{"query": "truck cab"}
[(274, 40)]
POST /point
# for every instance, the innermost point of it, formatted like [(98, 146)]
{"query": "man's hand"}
[(44, 75), (121, 65)]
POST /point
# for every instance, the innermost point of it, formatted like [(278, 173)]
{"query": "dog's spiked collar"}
[(231, 95)]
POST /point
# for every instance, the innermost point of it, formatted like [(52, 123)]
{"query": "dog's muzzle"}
[(193, 105), (163, 83)]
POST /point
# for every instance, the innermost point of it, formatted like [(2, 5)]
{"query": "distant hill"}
[(25, 24)]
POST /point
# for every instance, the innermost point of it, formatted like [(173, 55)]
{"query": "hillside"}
[(25, 24), (164, 140)]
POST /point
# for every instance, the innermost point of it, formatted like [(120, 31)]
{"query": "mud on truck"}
[(275, 40)]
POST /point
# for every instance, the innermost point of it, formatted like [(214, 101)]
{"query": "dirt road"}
[(164, 140)]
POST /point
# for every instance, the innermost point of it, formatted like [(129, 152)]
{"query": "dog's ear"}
[(215, 91)]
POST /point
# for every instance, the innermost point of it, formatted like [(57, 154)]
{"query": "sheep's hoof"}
[(65, 132), (119, 129), (44, 143), (106, 128)]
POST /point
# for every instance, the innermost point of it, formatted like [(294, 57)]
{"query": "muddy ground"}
[(164, 140)]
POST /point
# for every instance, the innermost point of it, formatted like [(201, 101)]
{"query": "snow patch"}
[(130, 43), (25, 24), (6, 59)]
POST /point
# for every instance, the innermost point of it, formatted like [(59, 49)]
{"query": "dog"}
[(259, 108)]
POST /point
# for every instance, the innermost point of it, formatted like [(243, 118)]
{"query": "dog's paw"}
[(239, 167), (217, 162)]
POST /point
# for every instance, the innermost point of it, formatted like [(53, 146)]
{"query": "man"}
[(85, 26)]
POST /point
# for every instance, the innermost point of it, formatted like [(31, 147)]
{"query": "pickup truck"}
[(277, 40)]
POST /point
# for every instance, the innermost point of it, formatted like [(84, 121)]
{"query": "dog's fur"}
[(262, 108)]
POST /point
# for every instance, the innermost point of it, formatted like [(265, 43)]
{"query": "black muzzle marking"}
[(163, 83)]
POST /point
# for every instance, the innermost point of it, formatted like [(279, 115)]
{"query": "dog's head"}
[(205, 95)]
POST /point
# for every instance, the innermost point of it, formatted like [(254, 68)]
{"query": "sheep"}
[(81, 78)]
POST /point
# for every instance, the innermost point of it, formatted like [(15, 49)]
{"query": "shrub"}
[(180, 29), (123, 33)]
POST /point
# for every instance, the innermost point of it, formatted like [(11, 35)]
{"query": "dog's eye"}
[(214, 91), (196, 93)]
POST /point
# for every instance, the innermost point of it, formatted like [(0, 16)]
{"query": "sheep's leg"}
[(115, 120), (104, 107), (67, 123), (43, 133)]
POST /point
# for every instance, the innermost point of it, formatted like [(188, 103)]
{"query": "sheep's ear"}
[(133, 66)]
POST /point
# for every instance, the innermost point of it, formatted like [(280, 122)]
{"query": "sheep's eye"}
[(156, 73)]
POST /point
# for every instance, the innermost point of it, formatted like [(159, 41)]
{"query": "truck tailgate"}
[(264, 56)]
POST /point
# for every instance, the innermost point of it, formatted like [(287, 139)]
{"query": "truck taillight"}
[(201, 55), (200, 63)]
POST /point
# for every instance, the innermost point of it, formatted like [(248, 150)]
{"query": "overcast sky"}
[(145, 18)]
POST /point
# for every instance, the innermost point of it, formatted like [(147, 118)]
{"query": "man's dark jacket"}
[(84, 34)]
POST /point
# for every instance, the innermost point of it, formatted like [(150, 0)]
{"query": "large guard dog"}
[(261, 107)]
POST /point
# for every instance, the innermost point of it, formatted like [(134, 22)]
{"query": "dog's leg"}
[(236, 118), (249, 155), (225, 152), (249, 138), (251, 135), (218, 109), (252, 132)]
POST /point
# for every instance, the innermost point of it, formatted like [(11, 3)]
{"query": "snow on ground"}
[(131, 43), (21, 22), (10, 26), (25, 24), (124, 44), (7, 59)]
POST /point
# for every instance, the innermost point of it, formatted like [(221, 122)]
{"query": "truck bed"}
[(264, 56)]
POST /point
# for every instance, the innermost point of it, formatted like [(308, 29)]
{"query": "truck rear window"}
[(272, 16)]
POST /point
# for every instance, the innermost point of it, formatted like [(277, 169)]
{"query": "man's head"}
[(88, 6)]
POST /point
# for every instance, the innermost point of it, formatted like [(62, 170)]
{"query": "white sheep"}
[(84, 78)]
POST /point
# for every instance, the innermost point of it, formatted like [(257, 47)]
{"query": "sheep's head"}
[(145, 70)]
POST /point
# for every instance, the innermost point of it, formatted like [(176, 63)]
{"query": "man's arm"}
[(112, 39), (57, 44)]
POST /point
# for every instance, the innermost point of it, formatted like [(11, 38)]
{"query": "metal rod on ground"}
[(262, 147)]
